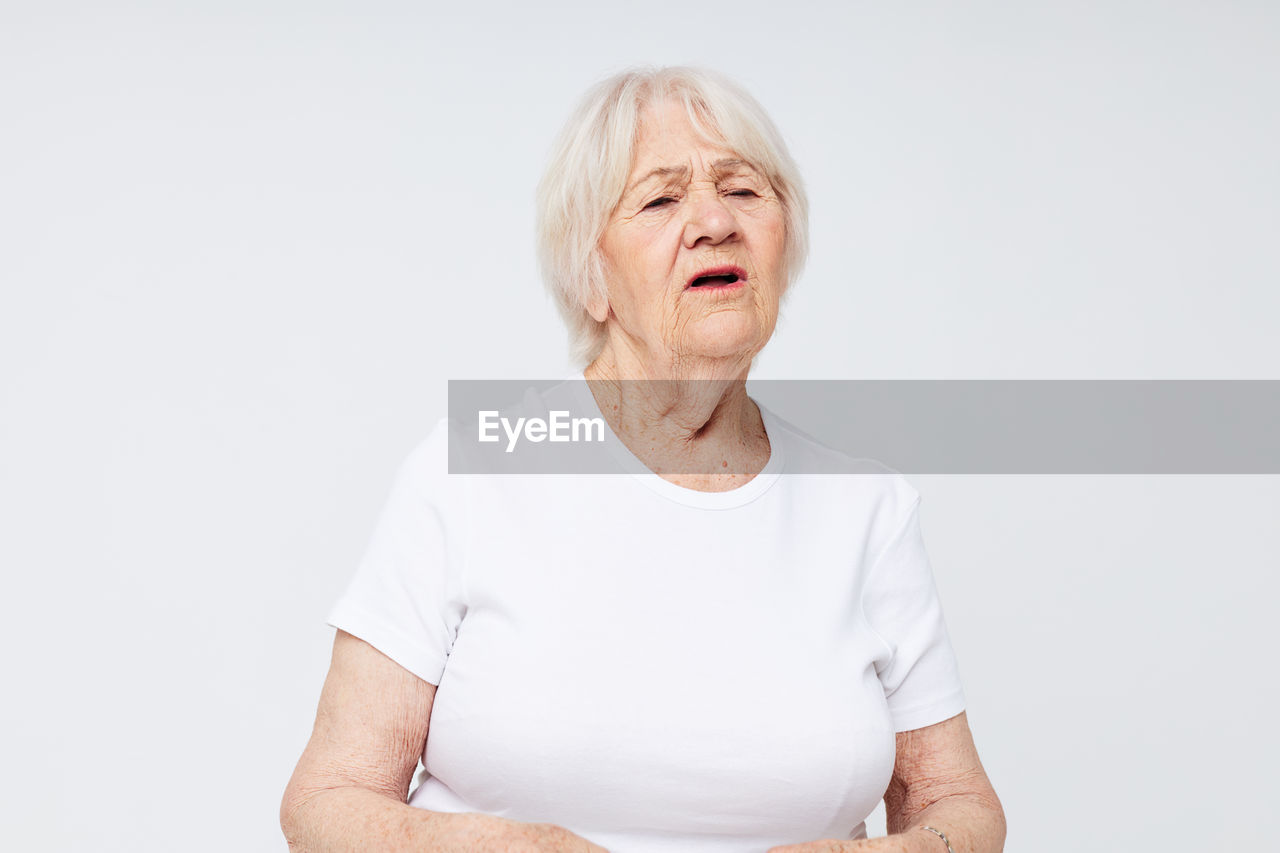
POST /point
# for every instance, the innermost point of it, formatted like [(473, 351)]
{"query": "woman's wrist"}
[(940, 840)]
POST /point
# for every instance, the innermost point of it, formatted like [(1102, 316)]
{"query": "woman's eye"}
[(743, 193), (658, 202)]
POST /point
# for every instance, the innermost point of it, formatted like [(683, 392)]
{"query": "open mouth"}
[(718, 277)]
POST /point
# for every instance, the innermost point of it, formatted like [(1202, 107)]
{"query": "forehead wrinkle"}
[(728, 164), (734, 166), (666, 172)]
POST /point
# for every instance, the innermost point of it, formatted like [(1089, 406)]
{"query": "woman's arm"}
[(349, 790), (938, 781)]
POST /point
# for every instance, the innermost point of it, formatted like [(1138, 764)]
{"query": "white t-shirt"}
[(653, 667)]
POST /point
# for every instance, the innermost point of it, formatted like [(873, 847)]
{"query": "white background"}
[(244, 245)]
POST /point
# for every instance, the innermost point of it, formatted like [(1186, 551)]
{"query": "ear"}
[(598, 308)]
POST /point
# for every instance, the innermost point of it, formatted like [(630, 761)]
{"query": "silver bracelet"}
[(940, 835)]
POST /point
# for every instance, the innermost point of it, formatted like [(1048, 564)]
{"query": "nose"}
[(710, 221)]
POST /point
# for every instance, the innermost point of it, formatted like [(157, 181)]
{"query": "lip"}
[(726, 269)]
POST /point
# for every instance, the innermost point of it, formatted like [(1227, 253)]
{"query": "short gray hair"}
[(592, 159)]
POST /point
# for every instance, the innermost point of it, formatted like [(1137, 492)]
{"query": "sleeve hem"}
[(356, 621), (920, 716)]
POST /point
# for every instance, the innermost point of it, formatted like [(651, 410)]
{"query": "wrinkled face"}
[(694, 251)]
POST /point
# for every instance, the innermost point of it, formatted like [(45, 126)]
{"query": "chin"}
[(724, 340)]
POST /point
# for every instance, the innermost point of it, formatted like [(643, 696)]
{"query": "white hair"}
[(592, 159)]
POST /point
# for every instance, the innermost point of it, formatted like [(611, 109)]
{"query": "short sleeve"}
[(405, 599), (917, 668)]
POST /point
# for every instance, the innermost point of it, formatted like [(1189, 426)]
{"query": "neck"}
[(688, 420)]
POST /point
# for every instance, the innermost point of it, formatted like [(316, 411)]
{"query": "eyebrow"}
[(718, 168)]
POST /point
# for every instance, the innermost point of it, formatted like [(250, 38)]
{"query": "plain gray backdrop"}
[(244, 245)]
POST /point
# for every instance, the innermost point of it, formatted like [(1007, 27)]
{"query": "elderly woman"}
[(714, 657)]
